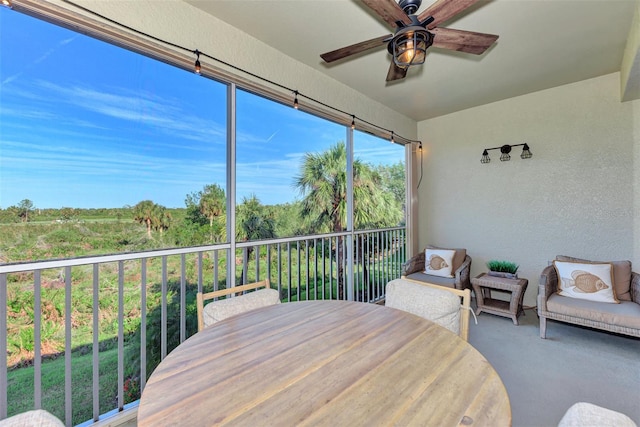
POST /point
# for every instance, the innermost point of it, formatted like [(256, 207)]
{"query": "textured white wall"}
[(574, 197)]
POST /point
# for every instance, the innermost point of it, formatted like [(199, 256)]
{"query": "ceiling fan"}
[(415, 33)]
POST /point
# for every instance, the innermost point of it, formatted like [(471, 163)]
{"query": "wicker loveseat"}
[(622, 318), (414, 269)]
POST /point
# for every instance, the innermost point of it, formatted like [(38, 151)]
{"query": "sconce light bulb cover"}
[(485, 157), (526, 153)]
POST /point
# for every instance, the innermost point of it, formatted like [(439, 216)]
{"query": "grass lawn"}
[(21, 388)]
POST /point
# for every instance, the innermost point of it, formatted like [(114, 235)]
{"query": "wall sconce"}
[(504, 153)]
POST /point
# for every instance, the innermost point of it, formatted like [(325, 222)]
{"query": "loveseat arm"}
[(547, 287), (635, 287), (463, 274), (413, 265)]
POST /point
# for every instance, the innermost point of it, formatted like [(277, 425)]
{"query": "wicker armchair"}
[(623, 318), (414, 269)]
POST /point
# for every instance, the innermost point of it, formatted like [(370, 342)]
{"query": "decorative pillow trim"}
[(589, 281), (438, 262)]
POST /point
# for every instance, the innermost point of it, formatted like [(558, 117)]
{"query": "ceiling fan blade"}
[(443, 10), (343, 52), (389, 11), (463, 41), (395, 72)]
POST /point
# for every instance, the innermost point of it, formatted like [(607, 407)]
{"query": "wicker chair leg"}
[(543, 327)]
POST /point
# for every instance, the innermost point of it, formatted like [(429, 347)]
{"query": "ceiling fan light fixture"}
[(409, 46)]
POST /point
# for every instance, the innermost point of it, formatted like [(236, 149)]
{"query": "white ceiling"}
[(542, 44)]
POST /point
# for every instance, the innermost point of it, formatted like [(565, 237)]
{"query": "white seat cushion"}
[(439, 306), (584, 414), (35, 418), (219, 310)]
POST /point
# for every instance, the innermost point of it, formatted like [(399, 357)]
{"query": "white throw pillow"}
[(438, 262), (593, 282)]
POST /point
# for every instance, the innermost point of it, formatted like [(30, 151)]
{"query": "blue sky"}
[(86, 124)]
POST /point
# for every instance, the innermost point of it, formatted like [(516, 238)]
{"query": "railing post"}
[(350, 223), (37, 341), (183, 297), (143, 324), (120, 335), (96, 342), (163, 311), (3, 346), (231, 184), (68, 407)]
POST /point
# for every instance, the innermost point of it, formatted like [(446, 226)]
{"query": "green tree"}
[(252, 223), (161, 219), (68, 214), (252, 220), (393, 181), (213, 202), (287, 219), (25, 207), (193, 215), (10, 215), (323, 184), (146, 212)]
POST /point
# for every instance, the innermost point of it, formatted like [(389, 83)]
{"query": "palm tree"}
[(161, 219), (145, 212), (323, 184), (253, 223), (212, 204)]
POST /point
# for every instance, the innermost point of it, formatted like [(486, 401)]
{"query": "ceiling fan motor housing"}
[(410, 6)]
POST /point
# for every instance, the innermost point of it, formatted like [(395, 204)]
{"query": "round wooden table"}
[(329, 363)]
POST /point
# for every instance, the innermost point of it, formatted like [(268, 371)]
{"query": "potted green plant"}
[(506, 269)]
